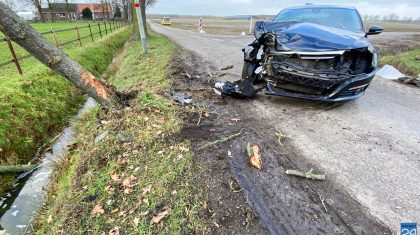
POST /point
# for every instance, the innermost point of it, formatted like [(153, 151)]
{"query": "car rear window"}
[(334, 17)]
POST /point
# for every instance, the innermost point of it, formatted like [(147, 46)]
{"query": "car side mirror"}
[(374, 29)]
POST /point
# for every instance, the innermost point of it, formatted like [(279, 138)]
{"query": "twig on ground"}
[(322, 201), (280, 136), (225, 139), (226, 67), (307, 175), (234, 190), (199, 118)]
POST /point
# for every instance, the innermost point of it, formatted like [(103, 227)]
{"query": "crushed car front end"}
[(325, 76), (310, 61)]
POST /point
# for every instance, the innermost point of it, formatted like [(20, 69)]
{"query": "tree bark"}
[(16, 168), (19, 31)]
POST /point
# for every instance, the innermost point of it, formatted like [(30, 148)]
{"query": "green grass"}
[(34, 107), (156, 159), (407, 62), (61, 37)]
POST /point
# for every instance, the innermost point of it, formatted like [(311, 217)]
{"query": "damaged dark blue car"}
[(313, 52)]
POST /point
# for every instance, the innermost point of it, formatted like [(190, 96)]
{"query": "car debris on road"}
[(180, 97), (238, 89), (390, 72)]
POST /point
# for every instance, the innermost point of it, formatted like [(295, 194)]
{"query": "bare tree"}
[(50, 7), (124, 5), (67, 9), (38, 6), (393, 17), (24, 35)]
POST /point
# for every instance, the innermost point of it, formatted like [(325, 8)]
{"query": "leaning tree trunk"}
[(23, 34)]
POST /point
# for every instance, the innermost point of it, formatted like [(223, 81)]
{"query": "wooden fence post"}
[(12, 51), (106, 31), (78, 36), (100, 31), (110, 26), (55, 37), (90, 30)]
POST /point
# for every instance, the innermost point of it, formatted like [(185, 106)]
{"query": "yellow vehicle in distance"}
[(166, 21)]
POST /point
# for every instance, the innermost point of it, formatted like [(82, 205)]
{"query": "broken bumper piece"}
[(347, 90)]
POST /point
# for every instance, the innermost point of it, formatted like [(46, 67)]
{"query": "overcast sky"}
[(409, 8)]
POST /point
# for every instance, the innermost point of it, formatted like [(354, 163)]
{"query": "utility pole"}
[(143, 38)]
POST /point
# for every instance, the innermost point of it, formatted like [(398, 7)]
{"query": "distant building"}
[(99, 11), (59, 11)]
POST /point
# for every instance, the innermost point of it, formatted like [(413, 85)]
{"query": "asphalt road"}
[(370, 147)]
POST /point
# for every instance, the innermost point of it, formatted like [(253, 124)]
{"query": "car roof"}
[(310, 6)]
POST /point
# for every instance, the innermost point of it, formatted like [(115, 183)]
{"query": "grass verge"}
[(140, 178), (34, 107), (407, 62)]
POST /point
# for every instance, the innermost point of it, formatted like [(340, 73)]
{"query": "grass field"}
[(236, 27), (61, 37), (135, 184), (408, 62)]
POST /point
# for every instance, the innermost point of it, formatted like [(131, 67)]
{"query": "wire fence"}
[(100, 28)]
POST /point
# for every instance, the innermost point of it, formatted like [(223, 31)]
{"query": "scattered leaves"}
[(146, 190), (114, 231), (184, 149), (49, 220), (136, 222), (159, 217), (115, 177), (110, 190), (98, 210)]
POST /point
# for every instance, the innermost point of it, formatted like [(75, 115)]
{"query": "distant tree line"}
[(391, 18)]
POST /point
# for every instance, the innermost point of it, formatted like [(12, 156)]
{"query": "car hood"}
[(310, 37)]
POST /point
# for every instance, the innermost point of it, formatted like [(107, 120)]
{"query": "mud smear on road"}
[(284, 204)]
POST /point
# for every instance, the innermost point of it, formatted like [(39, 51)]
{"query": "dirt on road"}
[(369, 148)]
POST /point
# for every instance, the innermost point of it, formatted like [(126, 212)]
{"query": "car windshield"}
[(334, 17)]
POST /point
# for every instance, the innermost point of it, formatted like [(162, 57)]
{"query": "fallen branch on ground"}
[(307, 175), (280, 136), (226, 67), (16, 168), (225, 139)]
